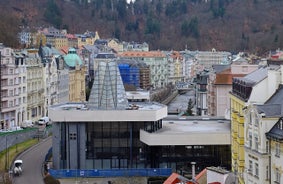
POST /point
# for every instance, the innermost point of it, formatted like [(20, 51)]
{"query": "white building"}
[(35, 86), (9, 88)]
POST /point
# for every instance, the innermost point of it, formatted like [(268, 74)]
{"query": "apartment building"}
[(205, 59), (176, 66), (35, 86), (254, 88), (220, 84), (275, 137), (10, 88)]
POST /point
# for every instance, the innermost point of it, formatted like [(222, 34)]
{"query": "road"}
[(180, 103), (33, 159)]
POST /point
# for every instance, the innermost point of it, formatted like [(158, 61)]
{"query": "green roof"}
[(72, 59)]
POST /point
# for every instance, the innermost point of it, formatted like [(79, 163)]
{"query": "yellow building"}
[(60, 41), (87, 38), (237, 135), (77, 72), (245, 91)]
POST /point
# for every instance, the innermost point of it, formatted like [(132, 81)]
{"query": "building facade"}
[(157, 62), (35, 86), (10, 87)]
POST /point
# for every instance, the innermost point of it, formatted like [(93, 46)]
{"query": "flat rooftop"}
[(190, 132), (79, 112)]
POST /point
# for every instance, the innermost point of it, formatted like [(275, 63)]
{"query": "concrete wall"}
[(10, 139)]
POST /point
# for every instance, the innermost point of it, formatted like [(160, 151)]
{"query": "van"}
[(27, 123), (43, 121)]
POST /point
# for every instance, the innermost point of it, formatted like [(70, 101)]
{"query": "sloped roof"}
[(226, 77), (276, 131), (273, 106), (257, 75)]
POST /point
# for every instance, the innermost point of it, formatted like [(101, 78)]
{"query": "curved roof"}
[(72, 59)]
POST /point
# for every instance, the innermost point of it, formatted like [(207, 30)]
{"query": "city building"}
[(220, 84), (259, 119), (135, 75), (115, 44), (176, 67), (201, 81), (77, 76), (12, 84), (116, 130), (275, 137), (205, 59), (253, 88), (103, 133), (35, 86), (157, 62), (22, 90)]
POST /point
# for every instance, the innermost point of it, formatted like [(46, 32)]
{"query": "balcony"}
[(8, 109)]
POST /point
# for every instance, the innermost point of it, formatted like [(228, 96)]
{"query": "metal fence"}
[(73, 173)]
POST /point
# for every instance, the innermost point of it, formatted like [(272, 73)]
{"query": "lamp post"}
[(6, 154)]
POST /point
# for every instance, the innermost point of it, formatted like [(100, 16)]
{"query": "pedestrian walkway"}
[(118, 180)]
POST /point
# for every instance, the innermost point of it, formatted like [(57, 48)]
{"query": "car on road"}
[(18, 167), (44, 121)]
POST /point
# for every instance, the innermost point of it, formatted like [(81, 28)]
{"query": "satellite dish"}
[(231, 178)]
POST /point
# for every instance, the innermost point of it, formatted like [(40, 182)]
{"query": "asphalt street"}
[(33, 159)]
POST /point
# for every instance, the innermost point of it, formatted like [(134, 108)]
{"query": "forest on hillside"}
[(232, 25)]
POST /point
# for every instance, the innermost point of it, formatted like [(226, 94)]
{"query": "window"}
[(10, 92), (256, 143), (267, 173), (256, 169), (250, 167), (10, 103), (11, 82), (277, 149), (250, 140), (73, 136), (267, 146), (277, 176)]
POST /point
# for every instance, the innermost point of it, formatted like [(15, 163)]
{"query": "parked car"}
[(27, 123), (44, 121)]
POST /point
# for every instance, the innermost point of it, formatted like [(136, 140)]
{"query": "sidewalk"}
[(118, 180)]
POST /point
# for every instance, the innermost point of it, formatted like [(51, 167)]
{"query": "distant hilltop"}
[(231, 25)]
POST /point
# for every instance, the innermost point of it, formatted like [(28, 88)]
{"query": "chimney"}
[(193, 170)]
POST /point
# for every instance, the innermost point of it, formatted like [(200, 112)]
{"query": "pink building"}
[(220, 84)]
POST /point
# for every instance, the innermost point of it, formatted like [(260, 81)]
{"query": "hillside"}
[(233, 25)]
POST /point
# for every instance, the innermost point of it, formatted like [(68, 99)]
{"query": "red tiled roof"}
[(226, 77)]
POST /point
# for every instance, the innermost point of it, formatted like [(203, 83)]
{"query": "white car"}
[(43, 121)]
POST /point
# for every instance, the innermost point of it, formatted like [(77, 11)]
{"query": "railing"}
[(72, 173)]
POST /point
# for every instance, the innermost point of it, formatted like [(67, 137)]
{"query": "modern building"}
[(103, 133), (114, 130)]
